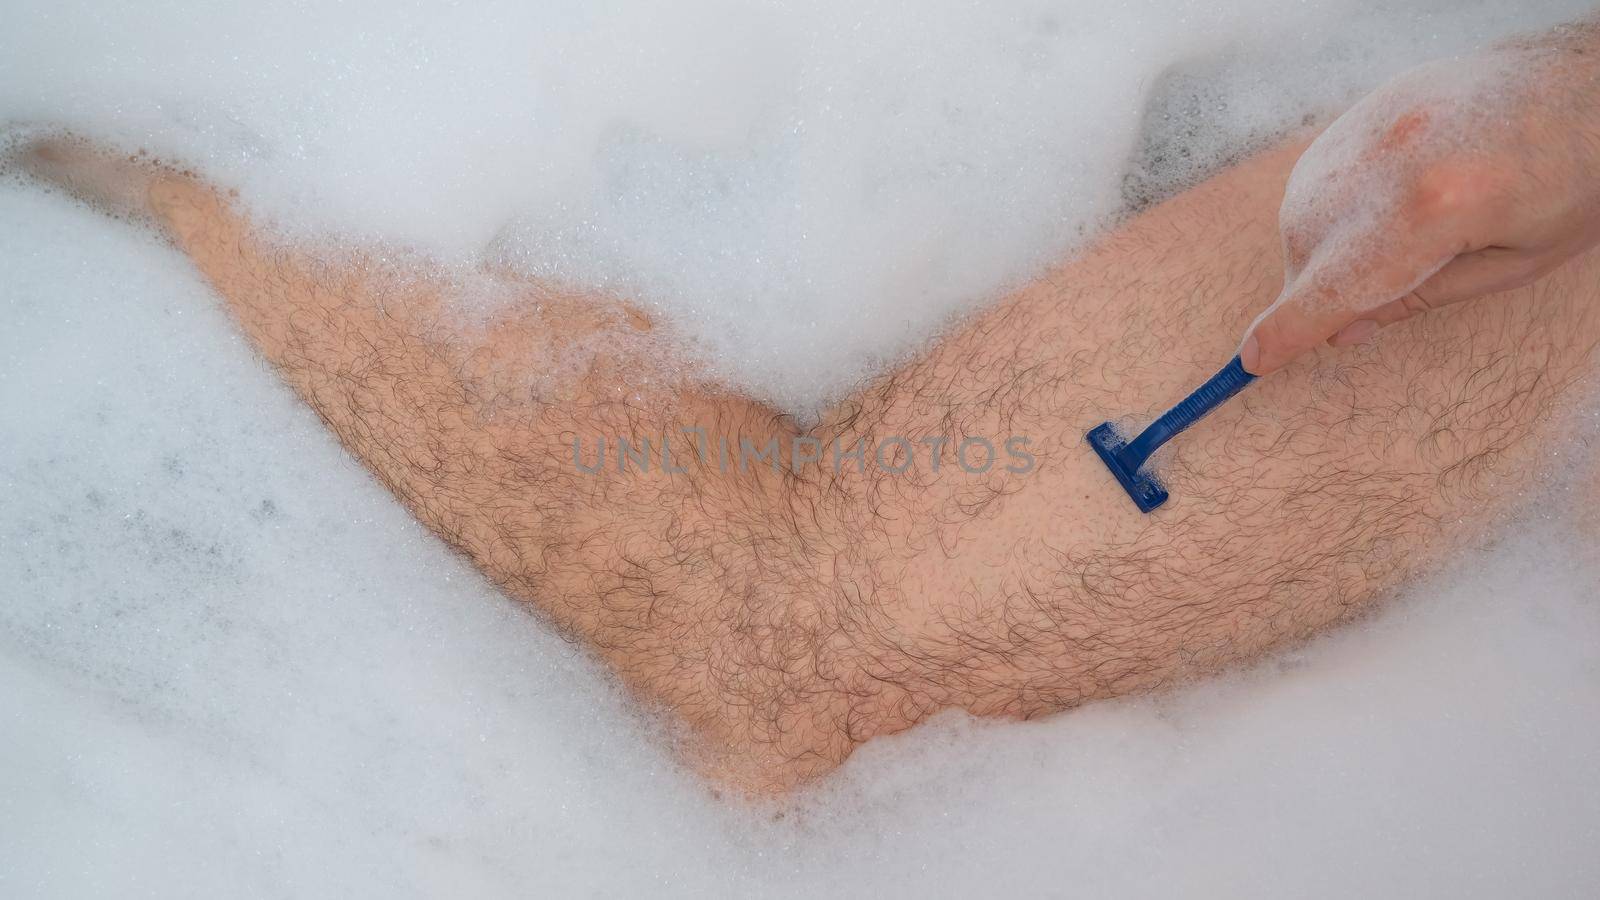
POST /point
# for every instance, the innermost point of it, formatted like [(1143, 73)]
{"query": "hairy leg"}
[(786, 616), (1312, 493)]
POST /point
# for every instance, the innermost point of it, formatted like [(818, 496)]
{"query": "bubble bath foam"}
[(230, 663)]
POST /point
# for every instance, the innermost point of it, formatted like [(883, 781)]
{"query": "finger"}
[(1412, 304), (1358, 332), (1290, 328), (1492, 270), (1323, 303), (1345, 286), (1467, 277)]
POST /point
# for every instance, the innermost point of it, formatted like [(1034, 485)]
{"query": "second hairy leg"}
[(716, 592), (787, 616)]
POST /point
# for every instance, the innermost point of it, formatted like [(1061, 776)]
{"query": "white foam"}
[(806, 189), (230, 663)]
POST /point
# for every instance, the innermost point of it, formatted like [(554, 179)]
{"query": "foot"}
[(118, 184)]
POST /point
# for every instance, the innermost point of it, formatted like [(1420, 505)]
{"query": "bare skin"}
[(786, 617)]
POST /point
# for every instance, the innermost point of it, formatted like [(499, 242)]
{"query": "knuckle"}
[(1448, 190), (1415, 303)]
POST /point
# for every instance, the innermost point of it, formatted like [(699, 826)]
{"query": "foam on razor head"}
[(1146, 491)]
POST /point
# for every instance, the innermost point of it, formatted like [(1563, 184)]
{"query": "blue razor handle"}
[(1126, 459)]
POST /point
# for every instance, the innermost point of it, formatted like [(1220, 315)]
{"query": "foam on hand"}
[(1347, 200), (233, 664)]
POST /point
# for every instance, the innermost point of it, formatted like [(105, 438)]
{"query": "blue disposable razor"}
[(1125, 459)]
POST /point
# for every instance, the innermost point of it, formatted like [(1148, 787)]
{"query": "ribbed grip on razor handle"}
[(1215, 392)]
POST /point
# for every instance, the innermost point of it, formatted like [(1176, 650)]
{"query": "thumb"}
[(1289, 328), (1340, 291)]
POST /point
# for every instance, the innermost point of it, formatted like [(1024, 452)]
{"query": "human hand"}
[(1458, 179)]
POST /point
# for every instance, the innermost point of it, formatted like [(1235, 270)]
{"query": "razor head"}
[(1147, 493)]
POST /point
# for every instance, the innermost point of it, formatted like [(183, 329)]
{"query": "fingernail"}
[(1357, 332), (1250, 353)]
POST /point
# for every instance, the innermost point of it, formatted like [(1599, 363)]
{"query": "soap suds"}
[(232, 664), (805, 191)]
